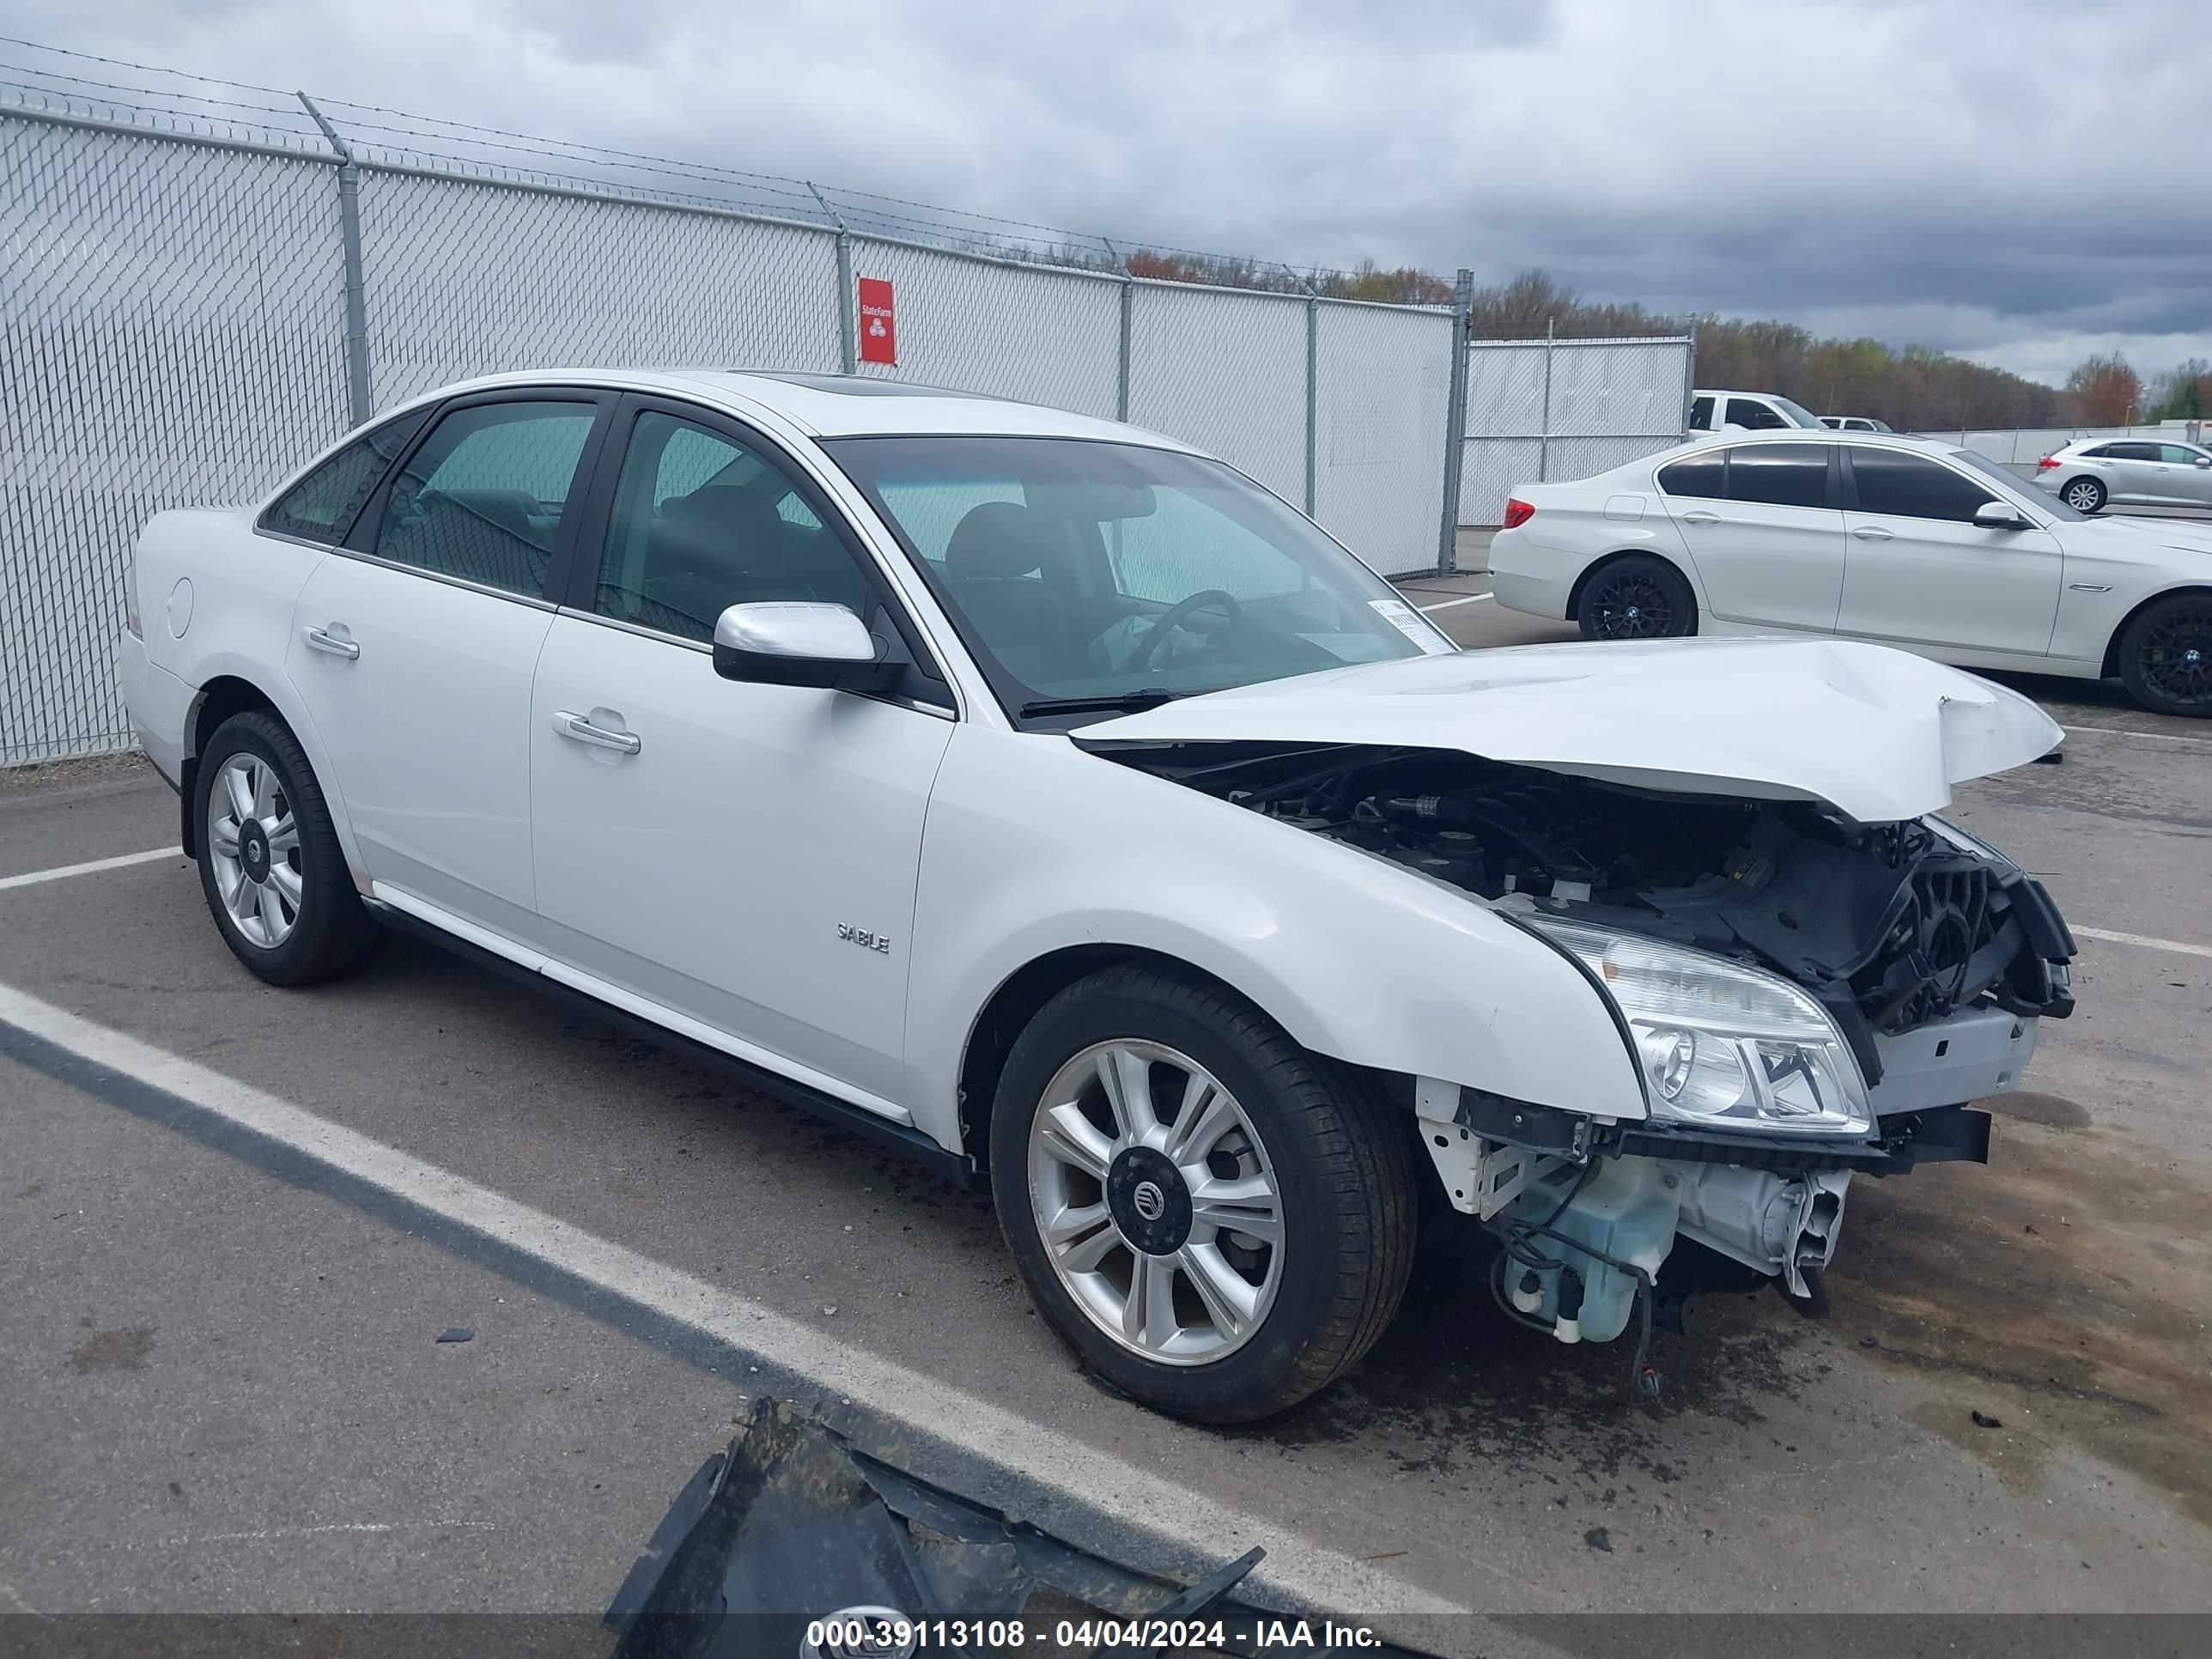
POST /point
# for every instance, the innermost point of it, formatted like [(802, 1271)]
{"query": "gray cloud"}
[(2023, 183)]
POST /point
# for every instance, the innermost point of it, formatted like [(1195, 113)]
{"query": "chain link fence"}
[(184, 317), (1545, 409)]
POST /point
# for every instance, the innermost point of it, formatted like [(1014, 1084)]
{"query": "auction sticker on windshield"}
[(1408, 621)]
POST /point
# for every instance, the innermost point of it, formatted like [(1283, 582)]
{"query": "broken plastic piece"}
[(457, 1333)]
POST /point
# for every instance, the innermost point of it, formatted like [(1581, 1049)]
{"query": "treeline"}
[(1916, 388)]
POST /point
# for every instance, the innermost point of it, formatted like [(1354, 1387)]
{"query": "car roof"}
[(838, 405)]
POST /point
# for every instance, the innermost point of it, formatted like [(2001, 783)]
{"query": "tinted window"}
[(483, 498), (703, 522), (2131, 452), (2101, 452), (321, 506), (1701, 414), (1781, 475), (1757, 417), (1914, 487), (1702, 475)]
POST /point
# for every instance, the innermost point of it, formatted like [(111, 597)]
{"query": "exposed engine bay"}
[(1933, 954), (1891, 925)]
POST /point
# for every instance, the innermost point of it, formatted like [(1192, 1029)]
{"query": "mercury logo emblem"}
[(1151, 1202)]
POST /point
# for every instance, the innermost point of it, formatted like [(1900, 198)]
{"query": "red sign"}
[(879, 330)]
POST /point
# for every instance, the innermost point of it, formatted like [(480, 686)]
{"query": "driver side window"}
[(703, 521)]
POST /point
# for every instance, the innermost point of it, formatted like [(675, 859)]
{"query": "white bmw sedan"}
[(1049, 800), (1907, 541)]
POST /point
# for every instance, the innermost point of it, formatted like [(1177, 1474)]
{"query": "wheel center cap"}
[(1146, 1197), (253, 852)]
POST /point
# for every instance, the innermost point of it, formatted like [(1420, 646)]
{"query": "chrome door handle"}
[(1872, 532), (1699, 516), (336, 645), (581, 729)]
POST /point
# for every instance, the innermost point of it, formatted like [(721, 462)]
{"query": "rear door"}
[(2133, 471), (1922, 575), (1760, 527), (413, 648)]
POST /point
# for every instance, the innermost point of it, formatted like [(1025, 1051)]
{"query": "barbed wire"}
[(433, 142)]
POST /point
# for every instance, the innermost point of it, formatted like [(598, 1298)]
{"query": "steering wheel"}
[(1207, 598)]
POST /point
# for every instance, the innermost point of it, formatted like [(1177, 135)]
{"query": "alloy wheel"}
[(253, 847), (1155, 1202), (2084, 497), (1632, 606), (2175, 658)]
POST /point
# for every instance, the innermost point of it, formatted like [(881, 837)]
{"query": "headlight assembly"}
[(1722, 1045)]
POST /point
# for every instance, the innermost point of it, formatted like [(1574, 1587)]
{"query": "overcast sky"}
[(2016, 181)]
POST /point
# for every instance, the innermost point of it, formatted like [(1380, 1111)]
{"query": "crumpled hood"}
[(1878, 733)]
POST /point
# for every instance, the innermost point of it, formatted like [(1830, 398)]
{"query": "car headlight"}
[(1721, 1044)]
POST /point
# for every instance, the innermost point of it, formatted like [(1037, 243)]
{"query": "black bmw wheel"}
[(1636, 597), (2166, 656)]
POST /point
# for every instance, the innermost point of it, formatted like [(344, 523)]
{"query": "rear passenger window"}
[(1697, 475), (483, 498), (1758, 418), (322, 506), (1914, 487), (1779, 475)]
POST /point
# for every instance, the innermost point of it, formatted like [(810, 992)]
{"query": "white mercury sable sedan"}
[(1046, 797)]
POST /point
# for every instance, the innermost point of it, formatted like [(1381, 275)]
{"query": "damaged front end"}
[(1806, 997)]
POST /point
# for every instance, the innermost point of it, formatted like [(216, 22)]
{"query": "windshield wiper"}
[(1128, 702)]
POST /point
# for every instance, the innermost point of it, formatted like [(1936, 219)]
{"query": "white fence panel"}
[(466, 277), (1382, 383), (1551, 410), (1225, 370), (176, 339)]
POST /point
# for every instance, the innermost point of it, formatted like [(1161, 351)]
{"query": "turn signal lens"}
[(1518, 513)]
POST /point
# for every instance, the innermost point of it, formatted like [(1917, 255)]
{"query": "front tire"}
[(1219, 1223), (1636, 597), (275, 877), (2083, 495), (2166, 656)]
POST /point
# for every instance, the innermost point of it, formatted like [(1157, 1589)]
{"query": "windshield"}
[(2014, 490), (1797, 413), (1095, 571)]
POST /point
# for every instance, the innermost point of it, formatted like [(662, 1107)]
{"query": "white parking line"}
[(888, 1389), (2145, 940), (1446, 604), (64, 871)]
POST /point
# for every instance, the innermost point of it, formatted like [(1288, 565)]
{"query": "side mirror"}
[(1996, 516), (2204, 461), (801, 642)]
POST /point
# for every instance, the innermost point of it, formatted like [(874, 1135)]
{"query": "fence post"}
[(1129, 334), (1689, 378), (1544, 432), (359, 402), (1313, 379), (1455, 425), (848, 324)]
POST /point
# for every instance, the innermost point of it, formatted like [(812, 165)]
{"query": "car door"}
[(2184, 475), (2131, 471), (1920, 573), (413, 647), (1760, 526), (740, 855)]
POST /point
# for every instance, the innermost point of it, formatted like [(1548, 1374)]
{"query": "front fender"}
[(1034, 846)]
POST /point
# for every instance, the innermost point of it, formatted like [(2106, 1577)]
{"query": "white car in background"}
[(1749, 412), (1048, 800), (1855, 424), (1910, 542), (2090, 472)]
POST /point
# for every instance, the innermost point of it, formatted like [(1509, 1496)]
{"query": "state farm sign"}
[(878, 328)]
